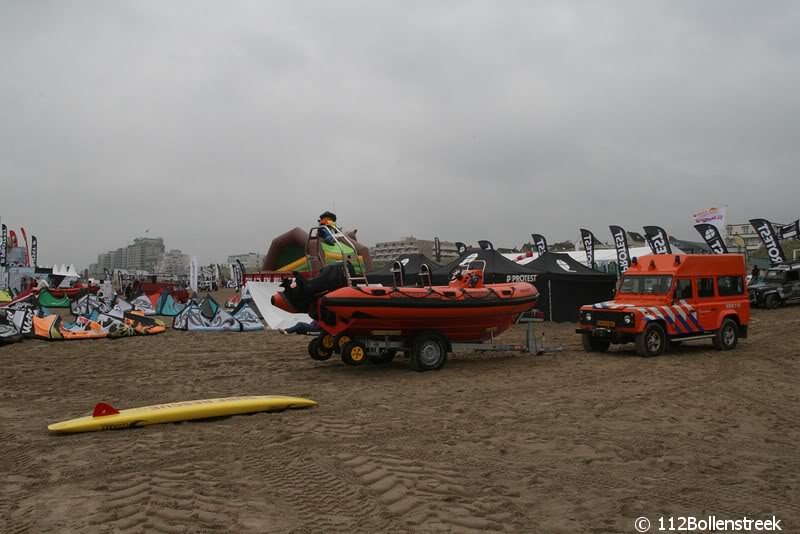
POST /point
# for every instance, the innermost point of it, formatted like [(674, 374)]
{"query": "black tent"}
[(565, 285), (499, 269), (411, 264)]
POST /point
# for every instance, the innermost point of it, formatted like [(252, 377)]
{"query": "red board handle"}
[(101, 409)]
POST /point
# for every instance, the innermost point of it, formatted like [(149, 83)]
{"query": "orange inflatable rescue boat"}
[(465, 310)]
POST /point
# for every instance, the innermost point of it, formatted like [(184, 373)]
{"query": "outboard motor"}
[(300, 293)]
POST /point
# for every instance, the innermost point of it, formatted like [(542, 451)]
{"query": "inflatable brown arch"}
[(288, 252)]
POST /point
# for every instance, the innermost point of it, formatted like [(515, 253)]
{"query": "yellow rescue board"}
[(177, 411)]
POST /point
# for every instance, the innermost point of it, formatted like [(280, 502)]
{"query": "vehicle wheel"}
[(428, 352), (317, 351), (594, 344), (354, 353), (339, 342), (327, 342), (384, 356), (651, 342), (772, 301), (728, 336)]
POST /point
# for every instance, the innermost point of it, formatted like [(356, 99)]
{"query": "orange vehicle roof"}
[(689, 264)]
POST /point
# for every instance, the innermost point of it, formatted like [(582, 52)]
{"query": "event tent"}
[(499, 269), (411, 265), (605, 259), (565, 285)]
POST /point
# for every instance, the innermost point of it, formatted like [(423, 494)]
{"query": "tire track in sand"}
[(431, 496), (179, 498), (323, 499)]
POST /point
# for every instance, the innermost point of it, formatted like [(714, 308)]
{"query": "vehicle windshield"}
[(652, 284), (775, 274)]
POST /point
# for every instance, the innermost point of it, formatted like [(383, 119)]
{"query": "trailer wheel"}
[(651, 342), (384, 356), (328, 342), (354, 353), (728, 335), (317, 351), (339, 342), (428, 352), (594, 344)]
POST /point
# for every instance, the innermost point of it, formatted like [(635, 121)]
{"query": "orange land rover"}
[(665, 299)]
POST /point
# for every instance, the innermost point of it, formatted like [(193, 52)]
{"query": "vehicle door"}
[(708, 306), (731, 295), (683, 311), (792, 287)]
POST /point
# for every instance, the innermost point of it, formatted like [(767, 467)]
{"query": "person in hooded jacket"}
[(326, 222)]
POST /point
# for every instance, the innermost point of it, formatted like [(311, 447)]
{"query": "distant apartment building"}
[(742, 237), (173, 263), (251, 261), (143, 255), (105, 261), (387, 251), (120, 258)]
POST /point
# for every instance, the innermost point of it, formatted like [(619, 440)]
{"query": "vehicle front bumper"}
[(615, 335)]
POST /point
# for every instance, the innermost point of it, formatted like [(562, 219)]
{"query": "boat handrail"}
[(397, 271), (339, 237), (425, 272)]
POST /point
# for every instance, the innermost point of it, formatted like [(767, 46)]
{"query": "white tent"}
[(261, 293)]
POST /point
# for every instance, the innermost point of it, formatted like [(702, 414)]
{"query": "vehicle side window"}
[(730, 285), (705, 287), (683, 289), (793, 276)]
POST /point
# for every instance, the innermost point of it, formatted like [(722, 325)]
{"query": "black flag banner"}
[(34, 250), (540, 242), (4, 246), (461, 247), (767, 234), (437, 250), (791, 231), (587, 238), (657, 239), (712, 238), (621, 244), (240, 271), (237, 275)]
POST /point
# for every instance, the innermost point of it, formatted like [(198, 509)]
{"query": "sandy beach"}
[(568, 442)]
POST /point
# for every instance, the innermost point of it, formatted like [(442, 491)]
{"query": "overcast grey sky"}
[(219, 125)]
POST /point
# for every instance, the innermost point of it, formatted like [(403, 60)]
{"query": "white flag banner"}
[(193, 274), (715, 216)]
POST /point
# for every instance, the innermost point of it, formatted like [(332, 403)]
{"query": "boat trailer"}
[(382, 341)]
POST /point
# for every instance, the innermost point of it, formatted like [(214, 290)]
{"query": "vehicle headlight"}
[(628, 319), (588, 317)]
